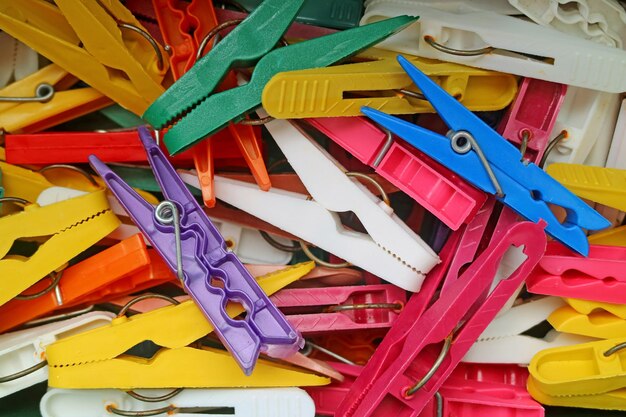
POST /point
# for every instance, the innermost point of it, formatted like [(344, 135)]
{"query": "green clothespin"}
[(336, 14), (121, 116), (143, 178), (218, 109), (247, 43)]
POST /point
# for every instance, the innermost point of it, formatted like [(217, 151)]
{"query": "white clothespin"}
[(601, 21), (464, 6), (390, 250), (24, 350), (503, 341), (18, 60), (617, 152), (503, 43), (588, 118), (250, 402)]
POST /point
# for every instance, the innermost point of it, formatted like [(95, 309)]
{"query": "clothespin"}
[(121, 269), (92, 41), (617, 153), (1, 188), (587, 307), (381, 83), (584, 127), (485, 159), (20, 61), (451, 324), (23, 353), (504, 341), (193, 248), (74, 225), (594, 320), (508, 374), (198, 20), (588, 375), (598, 277), (342, 308), (327, 398), (530, 121), (76, 361), (43, 99), (485, 39), (389, 249), (277, 402), (203, 119)]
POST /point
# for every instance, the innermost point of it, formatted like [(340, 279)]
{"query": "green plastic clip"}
[(231, 105), (336, 14), (247, 43), (143, 179), (121, 116)]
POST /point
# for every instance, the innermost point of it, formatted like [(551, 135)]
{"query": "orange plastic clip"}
[(184, 27)]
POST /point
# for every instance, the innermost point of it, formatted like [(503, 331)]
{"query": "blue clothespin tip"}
[(481, 156)]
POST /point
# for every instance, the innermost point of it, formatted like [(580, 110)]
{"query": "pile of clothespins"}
[(299, 208)]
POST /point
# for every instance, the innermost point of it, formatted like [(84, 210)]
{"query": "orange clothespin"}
[(186, 29)]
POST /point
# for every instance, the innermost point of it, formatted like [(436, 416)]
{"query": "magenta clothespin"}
[(331, 309), (327, 398), (599, 277), (533, 115), (432, 185), (505, 373)]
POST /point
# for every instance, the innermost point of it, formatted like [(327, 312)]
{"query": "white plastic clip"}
[(617, 153), (503, 341), (251, 402), (18, 60), (23, 352), (485, 39)]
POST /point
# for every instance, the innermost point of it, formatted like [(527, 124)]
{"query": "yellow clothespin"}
[(50, 103), (612, 400), (596, 323), (99, 41), (612, 237), (96, 359), (380, 82), (606, 186), (584, 369), (74, 225), (588, 307)]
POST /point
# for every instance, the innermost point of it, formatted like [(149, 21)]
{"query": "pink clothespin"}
[(509, 374), (340, 308), (418, 355), (327, 398), (601, 276), (440, 191), (532, 116)]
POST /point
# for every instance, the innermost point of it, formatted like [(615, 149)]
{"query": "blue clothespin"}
[(484, 158)]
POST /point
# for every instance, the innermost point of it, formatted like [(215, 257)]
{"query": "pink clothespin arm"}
[(446, 330), (327, 398), (601, 276), (433, 186), (509, 374), (340, 308), (533, 115)]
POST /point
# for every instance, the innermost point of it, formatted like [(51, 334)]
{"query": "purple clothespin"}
[(194, 249)]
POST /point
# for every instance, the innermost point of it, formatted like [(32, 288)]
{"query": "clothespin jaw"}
[(193, 248), (494, 164)]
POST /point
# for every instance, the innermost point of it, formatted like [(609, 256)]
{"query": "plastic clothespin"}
[(504, 341), (204, 119), (92, 41), (74, 225), (485, 39), (508, 374), (381, 83), (1, 188), (48, 101), (611, 400), (587, 119), (24, 352), (617, 153), (191, 245), (599, 324), (97, 359), (481, 156), (598, 277), (529, 122), (20, 61), (438, 189), (389, 250), (251, 402), (448, 328), (116, 271), (184, 31), (342, 308), (326, 13)]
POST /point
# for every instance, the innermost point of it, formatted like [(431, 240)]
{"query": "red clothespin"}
[(437, 341), (356, 346), (184, 27), (601, 276), (121, 269), (531, 117), (440, 191), (332, 309)]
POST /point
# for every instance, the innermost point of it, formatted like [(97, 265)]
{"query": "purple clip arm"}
[(212, 275)]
